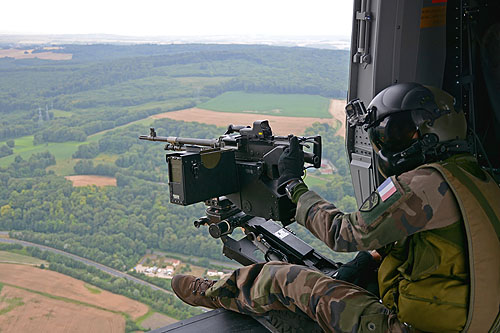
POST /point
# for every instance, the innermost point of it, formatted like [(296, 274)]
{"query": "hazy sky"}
[(179, 17)]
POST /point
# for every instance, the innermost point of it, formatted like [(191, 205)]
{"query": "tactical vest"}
[(467, 298)]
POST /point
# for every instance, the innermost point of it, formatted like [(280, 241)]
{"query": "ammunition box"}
[(199, 176)]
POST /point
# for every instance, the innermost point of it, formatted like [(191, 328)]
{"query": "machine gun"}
[(236, 175)]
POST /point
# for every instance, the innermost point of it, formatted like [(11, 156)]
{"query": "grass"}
[(148, 314), (61, 113), (63, 167), (92, 289), (19, 258), (105, 158), (317, 180), (12, 303), (292, 105), (24, 147)]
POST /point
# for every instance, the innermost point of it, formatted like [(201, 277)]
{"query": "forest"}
[(98, 103)]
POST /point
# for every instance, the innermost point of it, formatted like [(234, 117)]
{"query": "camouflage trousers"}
[(337, 306)]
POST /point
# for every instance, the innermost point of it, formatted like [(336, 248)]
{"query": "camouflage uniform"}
[(420, 200)]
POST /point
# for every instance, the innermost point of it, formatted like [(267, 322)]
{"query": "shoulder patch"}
[(386, 189), (370, 202)]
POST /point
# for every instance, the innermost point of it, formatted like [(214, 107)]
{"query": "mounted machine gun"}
[(236, 175)]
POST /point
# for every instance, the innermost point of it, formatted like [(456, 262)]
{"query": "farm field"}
[(59, 285), (85, 180), (33, 299), (280, 125), (24, 311), (286, 105)]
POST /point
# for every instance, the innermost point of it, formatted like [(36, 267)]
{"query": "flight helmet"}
[(410, 124)]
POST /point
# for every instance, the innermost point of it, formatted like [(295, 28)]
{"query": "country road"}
[(106, 269)]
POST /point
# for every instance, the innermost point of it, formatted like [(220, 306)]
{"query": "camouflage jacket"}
[(415, 201)]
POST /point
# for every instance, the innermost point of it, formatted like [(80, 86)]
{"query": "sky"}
[(177, 18)]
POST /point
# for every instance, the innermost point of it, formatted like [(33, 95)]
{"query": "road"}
[(106, 269)]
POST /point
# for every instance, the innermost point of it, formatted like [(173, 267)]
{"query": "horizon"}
[(315, 41)]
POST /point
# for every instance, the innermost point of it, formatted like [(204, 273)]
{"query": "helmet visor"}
[(394, 133)]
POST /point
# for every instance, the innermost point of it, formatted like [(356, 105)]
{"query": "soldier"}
[(435, 221)]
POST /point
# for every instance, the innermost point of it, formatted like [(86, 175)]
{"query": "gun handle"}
[(314, 158)]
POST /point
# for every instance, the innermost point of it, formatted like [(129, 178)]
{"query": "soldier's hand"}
[(361, 271), (291, 163)]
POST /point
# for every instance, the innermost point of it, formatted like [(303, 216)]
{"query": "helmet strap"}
[(424, 150)]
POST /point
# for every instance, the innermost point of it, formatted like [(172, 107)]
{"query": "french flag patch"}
[(386, 189)]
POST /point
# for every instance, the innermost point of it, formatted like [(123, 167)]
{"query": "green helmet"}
[(410, 124)]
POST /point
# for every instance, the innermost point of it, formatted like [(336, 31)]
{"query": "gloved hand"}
[(361, 271), (291, 163)]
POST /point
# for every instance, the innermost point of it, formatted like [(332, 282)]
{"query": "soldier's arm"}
[(415, 201)]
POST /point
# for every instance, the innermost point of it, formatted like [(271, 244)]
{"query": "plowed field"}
[(60, 285), (24, 311), (84, 180)]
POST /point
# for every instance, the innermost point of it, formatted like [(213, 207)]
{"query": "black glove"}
[(361, 271), (291, 163)]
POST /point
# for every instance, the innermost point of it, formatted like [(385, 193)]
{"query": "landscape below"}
[(79, 118)]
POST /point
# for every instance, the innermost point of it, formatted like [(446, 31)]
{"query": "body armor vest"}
[(448, 279)]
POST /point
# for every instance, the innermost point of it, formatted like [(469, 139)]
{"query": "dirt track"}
[(280, 125), (337, 110), (84, 180)]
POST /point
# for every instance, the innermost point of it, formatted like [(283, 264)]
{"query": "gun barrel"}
[(181, 141)]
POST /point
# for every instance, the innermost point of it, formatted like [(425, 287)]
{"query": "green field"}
[(24, 147), (61, 150), (11, 257), (295, 105), (317, 180)]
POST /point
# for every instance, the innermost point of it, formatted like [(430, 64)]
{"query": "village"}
[(155, 265)]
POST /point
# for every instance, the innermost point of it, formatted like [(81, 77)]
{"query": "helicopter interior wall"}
[(472, 72), (430, 42)]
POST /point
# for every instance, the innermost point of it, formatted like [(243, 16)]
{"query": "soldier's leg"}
[(336, 306)]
